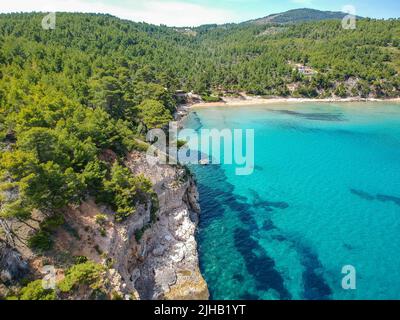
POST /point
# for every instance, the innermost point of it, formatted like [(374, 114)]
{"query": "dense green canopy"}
[(95, 83)]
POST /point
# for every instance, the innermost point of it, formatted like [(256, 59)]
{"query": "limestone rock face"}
[(170, 268), (163, 264)]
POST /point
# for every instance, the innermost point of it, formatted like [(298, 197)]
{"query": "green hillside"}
[(98, 83)]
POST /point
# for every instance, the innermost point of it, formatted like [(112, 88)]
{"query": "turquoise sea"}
[(325, 193)]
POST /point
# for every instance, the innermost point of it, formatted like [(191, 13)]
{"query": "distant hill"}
[(299, 15)]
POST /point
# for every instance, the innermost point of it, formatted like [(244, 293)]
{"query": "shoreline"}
[(263, 101)]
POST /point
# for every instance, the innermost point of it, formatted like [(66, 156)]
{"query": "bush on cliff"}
[(124, 191), (35, 291), (88, 273)]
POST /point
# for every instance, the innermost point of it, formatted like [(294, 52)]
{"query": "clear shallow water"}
[(325, 193)]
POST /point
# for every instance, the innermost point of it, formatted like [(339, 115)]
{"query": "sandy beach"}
[(246, 100)]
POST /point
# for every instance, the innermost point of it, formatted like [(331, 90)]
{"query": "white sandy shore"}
[(261, 101)]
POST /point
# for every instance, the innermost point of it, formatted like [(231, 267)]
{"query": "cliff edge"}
[(169, 266)]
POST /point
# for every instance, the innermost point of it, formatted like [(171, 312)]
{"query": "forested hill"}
[(300, 15), (314, 59)]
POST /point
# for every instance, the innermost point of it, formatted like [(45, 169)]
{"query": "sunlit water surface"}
[(325, 193)]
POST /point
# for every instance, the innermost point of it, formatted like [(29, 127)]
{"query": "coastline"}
[(246, 100)]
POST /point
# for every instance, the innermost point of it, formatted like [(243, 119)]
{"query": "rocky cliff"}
[(151, 255), (167, 265)]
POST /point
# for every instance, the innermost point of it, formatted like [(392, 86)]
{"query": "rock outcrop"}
[(12, 266), (169, 267)]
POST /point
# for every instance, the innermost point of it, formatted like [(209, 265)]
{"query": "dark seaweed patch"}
[(386, 198), (315, 116), (238, 277), (259, 264), (335, 132), (216, 197), (214, 200), (259, 202), (379, 197), (249, 296), (279, 238), (240, 198), (315, 286), (348, 246), (213, 208), (362, 194), (246, 217), (276, 204), (268, 225)]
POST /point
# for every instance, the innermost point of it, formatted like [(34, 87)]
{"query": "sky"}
[(196, 12)]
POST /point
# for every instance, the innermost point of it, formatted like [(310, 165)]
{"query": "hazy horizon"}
[(191, 13)]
